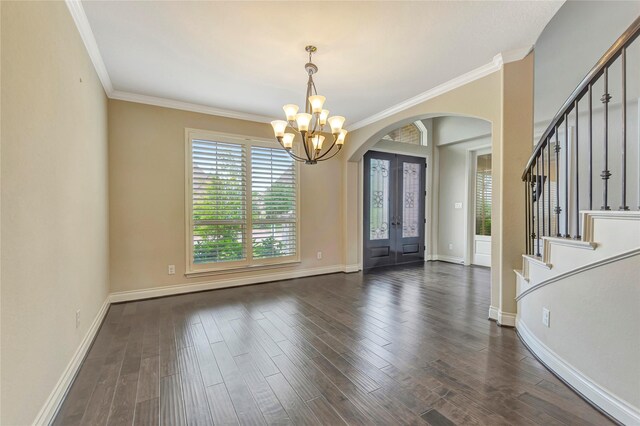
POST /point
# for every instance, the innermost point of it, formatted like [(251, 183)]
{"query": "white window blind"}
[(274, 205), (219, 201), (483, 195), (242, 204)]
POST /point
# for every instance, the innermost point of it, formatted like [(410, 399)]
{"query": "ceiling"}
[(249, 56)]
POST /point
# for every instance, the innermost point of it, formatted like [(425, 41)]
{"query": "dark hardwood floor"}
[(406, 345)]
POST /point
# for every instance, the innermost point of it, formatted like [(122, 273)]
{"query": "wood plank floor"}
[(406, 345)]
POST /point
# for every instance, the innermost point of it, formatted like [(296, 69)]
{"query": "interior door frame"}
[(470, 211)]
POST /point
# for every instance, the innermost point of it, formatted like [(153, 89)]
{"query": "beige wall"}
[(510, 160), (147, 197), (451, 224), (452, 129), (54, 201)]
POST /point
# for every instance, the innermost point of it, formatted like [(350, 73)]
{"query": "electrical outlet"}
[(450, 246), (319, 255), (546, 316), (171, 270), (78, 318)]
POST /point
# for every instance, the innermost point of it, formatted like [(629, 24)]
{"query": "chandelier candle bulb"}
[(290, 110), (324, 114), (303, 119), (341, 136), (336, 123), (317, 142), (279, 126), (317, 102), (287, 140)]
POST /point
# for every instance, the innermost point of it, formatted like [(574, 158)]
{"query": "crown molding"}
[(515, 55), (186, 106), (495, 65), (84, 28), (452, 84)]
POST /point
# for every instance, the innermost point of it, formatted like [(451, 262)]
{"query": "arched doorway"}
[(449, 211)]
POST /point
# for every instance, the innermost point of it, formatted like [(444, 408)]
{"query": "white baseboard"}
[(445, 258), (506, 319), (351, 268), (493, 313), (53, 402), (125, 296), (606, 401)]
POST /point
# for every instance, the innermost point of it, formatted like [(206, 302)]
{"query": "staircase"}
[(578, 292)]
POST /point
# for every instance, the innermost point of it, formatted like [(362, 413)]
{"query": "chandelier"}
[(310, 124)]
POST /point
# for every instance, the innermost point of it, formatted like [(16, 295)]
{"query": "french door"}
[(394, 197)]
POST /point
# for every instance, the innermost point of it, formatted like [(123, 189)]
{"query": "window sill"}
[(240, 269)]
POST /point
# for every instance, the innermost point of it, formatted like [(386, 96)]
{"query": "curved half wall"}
[(593, 338)]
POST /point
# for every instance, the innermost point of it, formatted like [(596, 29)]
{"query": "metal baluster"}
[(549, 186), (558, 210), (606, 174), (542, 191), (533, 217), (537, 208), (577, 157), (624, 130), (590, 147), (526, 218), (566, 176)]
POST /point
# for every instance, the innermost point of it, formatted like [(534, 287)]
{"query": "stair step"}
[(537, 261), (586, 245), (520, 274)]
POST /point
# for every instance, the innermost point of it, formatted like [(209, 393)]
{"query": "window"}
[(483, 195), (242, 203), (407, 134)]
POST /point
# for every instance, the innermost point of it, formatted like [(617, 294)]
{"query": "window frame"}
[(248, 263)]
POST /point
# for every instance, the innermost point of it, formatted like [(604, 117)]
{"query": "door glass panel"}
[(410, 199), (379, 196), (483, 195)]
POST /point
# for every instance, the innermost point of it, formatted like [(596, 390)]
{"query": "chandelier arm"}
[(313, 152), (294, 126), (294, 156), (334, 154), (289, 151), (304, 144), (315, 124)]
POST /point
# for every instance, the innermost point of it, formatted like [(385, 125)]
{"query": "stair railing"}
[(547, 212)]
